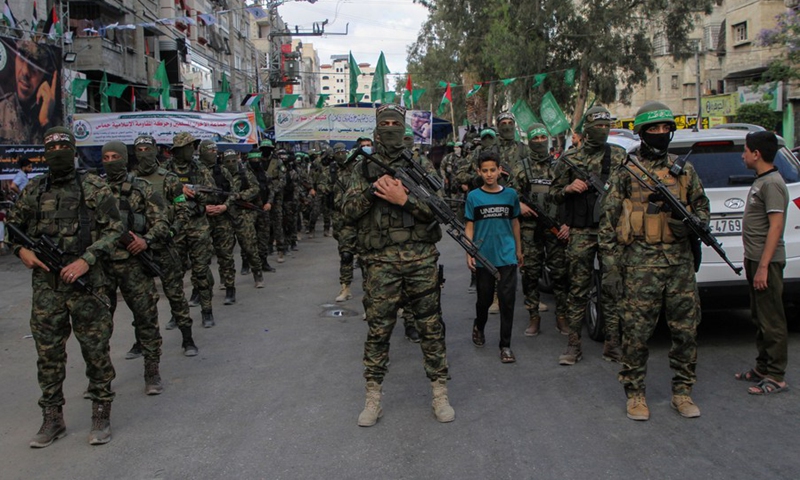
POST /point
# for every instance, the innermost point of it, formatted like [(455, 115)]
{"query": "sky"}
[(375, 25)]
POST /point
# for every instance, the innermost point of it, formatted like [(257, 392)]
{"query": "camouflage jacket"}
[(142, 201), (641, 253), (20, 126), (589, 161), (53, 210), (177, 210), (195, 174), (537, 187)]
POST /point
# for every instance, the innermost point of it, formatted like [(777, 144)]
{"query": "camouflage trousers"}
[(139, 292), (581, 253), (387, 286), (646, 288), (541, 248), (313, 210), (196, 247), (244, 224), (290, 212), (407, 315), (326, 210), (51, 313), (222, 235), (276, 223), (346, 236), (262, 224), (172, 284)]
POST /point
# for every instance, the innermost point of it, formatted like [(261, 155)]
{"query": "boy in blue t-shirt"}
[(492, 215)]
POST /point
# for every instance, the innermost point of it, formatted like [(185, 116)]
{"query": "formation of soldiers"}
[(150, 218)]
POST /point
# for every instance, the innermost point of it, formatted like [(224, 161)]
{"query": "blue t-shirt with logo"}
[(492, 213)]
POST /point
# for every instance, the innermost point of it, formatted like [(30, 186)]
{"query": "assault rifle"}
[(146, 257), (244, 204), (53, 257), (590, 178), (541, 216), (678, 210), (423, 187)]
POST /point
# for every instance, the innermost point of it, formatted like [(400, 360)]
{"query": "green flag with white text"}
[(552, 115), (378, 89), (355, 72)]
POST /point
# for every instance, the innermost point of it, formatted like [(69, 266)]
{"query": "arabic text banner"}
[(97, 129), (323, 124)]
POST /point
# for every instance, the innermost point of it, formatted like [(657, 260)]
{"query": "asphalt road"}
[(277, 388)]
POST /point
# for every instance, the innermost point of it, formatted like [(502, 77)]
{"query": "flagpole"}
[(452, 119)]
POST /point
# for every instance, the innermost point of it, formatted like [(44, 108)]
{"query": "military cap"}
[(207, 145), (37, 54), (339, 147), (182, 139)]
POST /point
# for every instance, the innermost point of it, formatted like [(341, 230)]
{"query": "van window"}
[(721, 166)]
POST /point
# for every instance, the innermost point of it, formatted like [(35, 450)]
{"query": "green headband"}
[(254, 155), (654, 117), (536, 132)]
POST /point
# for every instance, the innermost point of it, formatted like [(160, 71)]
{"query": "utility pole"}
[(699, 124), (490, 105)]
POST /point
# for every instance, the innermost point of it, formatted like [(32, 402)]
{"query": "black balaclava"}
[(595, 137), (390, 138), (117, 170), (147, 161), (60, 162), (654, 145)]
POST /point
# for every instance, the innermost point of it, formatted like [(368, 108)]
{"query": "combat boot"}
[(189, 348), (281, 257), (134, 352), (258, 278), (245, 267), (572, 354), (172, 324), (533, 326), (194, 300), (611, 351), (441, 404), (265, 266), (230, 296), (52, 429), (208, 319), (101, 423), (637, 408), (562, 325), (152, 379), (685, 406), (344, 293), (372, 407)]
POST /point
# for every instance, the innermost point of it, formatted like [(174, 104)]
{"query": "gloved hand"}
[(679, 229)]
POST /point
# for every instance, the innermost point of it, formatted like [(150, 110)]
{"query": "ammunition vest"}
[(192, 177), (62, 214), (243, 178), (583, 210), (135, 221), (636, 223)]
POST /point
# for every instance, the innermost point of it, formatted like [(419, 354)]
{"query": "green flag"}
[(378, 90), (355, 72), (538, 79), (226, 88), (321, 99), (508, 81), (579, 126), (163, 90), (447, 98), (389, 97), (79, 86), (524, 115), (288, 100), (190, 98), (104, 107), (552, 116), (359, 97), (221, 101), (474, 90), (416, 94), (569, 77), (115, 89)]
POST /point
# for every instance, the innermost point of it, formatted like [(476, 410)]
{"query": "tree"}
[(785, 36), (609, 42), (758, 114)]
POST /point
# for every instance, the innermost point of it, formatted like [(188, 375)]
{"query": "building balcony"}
[(103, 55)]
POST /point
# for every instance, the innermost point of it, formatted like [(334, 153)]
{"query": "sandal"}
[(751, 375), (507, 356), (767, 386), (478, 338)]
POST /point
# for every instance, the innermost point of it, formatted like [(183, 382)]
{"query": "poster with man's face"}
[(30, 91), (422, 125)]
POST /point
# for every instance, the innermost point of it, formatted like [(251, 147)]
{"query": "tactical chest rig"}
[(582, 210), (65, 216)]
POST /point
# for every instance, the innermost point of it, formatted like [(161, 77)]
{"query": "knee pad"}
[(346, 258)]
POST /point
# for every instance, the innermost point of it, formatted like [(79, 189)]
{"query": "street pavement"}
[(277, 387)]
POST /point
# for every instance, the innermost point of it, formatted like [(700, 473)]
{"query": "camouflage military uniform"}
[(50, 205), (540, 245), (276, 175), (582, 247), (291, 207), (655, 273), (244, 221), (194, 238), (313, 177), (344, 232), (397, 266), (255, 165), (222, 225)]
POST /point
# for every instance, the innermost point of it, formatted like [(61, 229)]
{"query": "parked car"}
[(716, 155)]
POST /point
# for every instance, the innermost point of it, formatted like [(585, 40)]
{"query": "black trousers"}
[(506, 287)]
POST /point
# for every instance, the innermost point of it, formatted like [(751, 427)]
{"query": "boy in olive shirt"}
[(764, 260)]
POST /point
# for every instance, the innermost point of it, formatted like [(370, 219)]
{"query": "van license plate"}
[(726, 226)]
